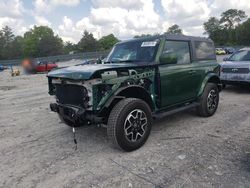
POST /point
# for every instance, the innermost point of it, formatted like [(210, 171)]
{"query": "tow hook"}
[(74, 137)]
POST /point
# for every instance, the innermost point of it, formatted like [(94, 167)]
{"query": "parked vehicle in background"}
[(141, 79), (45, 66), (220, 51), (90, 62), (236, 68), (33, 66), (3, 68), (229, 50)]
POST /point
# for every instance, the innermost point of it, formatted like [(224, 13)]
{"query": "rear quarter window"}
[(204, 50)]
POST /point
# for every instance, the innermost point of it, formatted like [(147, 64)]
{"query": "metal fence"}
[(58, 58)]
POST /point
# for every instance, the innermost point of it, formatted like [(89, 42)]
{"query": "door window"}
[(177, 50), (204, 50)]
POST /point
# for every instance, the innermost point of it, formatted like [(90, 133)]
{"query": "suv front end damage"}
[(73, 99), (81, 102)]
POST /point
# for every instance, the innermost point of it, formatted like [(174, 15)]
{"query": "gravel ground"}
[(183, 150)]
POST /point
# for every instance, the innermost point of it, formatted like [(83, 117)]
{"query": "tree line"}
[(231, 28), (41, 42), (174, 30)]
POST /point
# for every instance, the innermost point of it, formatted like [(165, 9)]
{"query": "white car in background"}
[(236, 68)]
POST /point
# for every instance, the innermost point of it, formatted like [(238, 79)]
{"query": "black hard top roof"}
[(170, 37)]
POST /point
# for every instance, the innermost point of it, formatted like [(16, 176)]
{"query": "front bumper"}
[(77, 115), (71, 113), (235, 78)]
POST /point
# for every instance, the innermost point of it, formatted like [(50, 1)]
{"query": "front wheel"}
[(129, 124), (209, 100)]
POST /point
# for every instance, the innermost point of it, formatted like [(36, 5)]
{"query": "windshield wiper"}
[(108, 62), (128, 61), (122, 61)]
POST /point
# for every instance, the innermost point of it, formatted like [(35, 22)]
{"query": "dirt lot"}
[(183, 150)]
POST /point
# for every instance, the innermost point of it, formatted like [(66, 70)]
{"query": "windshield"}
[(134, 51), (242, 55)]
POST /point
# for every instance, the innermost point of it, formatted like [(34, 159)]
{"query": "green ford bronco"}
[(141, 79)]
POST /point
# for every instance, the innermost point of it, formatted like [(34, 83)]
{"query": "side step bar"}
[(160, 115)]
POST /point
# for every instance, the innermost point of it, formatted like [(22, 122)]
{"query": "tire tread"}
[(202, 108), (114, 118)]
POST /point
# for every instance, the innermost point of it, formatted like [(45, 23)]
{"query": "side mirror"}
[(225, 59), (167, 59)]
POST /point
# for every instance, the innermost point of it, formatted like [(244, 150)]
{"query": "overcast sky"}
[(124, 18)]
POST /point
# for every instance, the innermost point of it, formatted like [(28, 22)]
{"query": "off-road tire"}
[(203, 109), (117, 119)]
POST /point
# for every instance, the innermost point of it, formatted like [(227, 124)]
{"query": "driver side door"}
[(178, 82)]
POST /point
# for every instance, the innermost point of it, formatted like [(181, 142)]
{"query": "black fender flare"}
[(133, 91), (213, 78)]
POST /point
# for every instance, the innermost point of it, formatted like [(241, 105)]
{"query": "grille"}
[(71, 94), (236, 70)]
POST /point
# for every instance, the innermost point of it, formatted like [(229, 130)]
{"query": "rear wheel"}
[(209, 100), (129, 124)]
